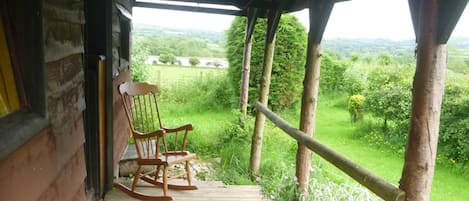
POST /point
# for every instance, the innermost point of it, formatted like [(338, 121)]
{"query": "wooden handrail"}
[(374, 183)]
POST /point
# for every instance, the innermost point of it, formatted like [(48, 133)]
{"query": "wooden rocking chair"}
[(151, 141)]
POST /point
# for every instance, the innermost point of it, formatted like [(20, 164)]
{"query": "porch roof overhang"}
[(240, 6)]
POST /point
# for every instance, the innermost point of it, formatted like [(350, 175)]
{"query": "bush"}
[(332, 73), (168, 58), (140, 53), (288, 64), (194, 61), (209, 93), (355, 107), (454, 125), (283, 186), (389, 95), (355, 79)]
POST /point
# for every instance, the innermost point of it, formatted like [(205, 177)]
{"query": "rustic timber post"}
[(250, 24), (319, 12), (433, 21), (256, 146)]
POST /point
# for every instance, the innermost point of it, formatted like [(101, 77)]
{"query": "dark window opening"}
[(22, 27)]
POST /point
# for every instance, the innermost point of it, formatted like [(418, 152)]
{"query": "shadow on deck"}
[(208, 191)]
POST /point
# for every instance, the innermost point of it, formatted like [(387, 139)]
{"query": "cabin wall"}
[(121, 73), (51, 165)]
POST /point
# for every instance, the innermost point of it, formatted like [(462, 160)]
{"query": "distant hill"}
[(346, 47), (180, 42), (202, 43), (152, 30)]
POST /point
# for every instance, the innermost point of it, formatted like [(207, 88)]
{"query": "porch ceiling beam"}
[(190, 8), (273, 18), (319, 13), (237, 3), (449, 13), (253, 14)]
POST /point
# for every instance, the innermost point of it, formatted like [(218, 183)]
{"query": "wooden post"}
[(250, 24), (377, 185), (256, 147), (319, 12), (431, 19)]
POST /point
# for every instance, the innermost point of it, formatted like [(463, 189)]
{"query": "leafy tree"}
[(454, 125), (194, 61), (354, 57), (355, 107), (289, 57), (140, 53), (384, 59), (216, 63), (389, 93), (355, 79), (168, 58)]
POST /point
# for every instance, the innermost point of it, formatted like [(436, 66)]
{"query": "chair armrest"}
[(187, 127), (157, 133)]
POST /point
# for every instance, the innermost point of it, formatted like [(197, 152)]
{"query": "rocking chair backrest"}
[(141, 108)]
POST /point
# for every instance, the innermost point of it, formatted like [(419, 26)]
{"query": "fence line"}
[(374, 183)]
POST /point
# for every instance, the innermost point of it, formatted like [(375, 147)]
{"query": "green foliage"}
[(168, 58), (289, 57), (188, 43), (239, 131), (355, 79), (194, 61), (384, 59), (389, 95), (388, 92), (332, 73), (140, 53), (355, 107), (216, 63), (456, 60), (454, 129)]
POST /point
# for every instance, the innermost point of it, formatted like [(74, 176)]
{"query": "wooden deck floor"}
[(208, 191)]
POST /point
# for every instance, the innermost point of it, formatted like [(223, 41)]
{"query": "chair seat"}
[(169, 158), (141, 109)]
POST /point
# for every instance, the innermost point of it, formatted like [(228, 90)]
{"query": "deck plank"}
[(208, 191)]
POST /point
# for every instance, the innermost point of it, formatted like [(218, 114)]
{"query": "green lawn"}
[(166, 75), (333, 129)]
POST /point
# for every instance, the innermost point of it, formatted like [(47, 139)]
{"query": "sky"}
[(388, 19)]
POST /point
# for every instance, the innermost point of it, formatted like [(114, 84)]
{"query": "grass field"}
[(333, 129), (165, 75)]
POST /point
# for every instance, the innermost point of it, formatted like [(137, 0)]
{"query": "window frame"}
[(23, 19)]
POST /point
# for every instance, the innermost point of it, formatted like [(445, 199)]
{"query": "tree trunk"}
[(245, 78), (256, 146), (308, 113), (426, 106)]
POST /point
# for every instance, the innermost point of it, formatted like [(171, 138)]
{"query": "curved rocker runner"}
[(156, 145)]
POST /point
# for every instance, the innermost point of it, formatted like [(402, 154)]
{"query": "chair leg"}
[(188, 172), (165, 180), (157, 173), (136, 177)]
